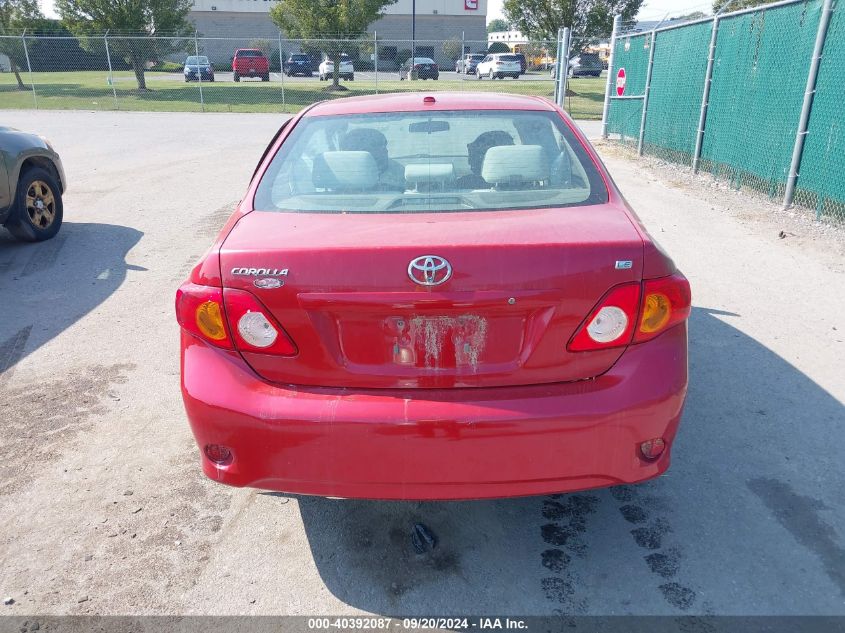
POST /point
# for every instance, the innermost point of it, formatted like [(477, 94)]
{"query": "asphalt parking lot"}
[(103, 508)]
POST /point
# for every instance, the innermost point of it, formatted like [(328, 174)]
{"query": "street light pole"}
[(413, 29)]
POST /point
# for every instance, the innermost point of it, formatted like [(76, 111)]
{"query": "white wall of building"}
[(402, 7)]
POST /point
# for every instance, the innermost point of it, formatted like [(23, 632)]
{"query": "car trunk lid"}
[(521, 283)]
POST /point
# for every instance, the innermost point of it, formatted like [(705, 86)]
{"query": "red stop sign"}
[(620, 82)]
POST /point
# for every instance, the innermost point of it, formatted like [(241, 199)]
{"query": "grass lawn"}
[(90, 90)]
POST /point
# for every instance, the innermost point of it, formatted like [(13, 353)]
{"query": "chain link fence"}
[(752, 97), (125, 72)]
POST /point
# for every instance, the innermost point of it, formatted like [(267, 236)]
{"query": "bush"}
[(166, 67), (499, 47)]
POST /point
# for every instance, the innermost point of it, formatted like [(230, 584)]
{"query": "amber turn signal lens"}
[(656, 312), (210, 320)]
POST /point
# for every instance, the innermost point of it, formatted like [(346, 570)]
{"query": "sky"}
[(651, 9)]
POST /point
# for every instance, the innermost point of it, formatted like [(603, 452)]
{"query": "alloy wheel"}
[(40, 204)]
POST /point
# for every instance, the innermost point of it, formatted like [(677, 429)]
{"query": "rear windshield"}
[(478, 57), (509, 58), (250, 54), (589, 57), (422, 162), (299, 57), (193, 60)]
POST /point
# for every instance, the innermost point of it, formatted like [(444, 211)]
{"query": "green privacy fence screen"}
[(680, 62), (821, 184), (761, 62), (630, 53)]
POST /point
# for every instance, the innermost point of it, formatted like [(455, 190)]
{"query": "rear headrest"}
[(429, 172), (345, 170), (515, 164)]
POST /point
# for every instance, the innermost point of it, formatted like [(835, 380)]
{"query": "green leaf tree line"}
[(131, 17), (496, 25), (541, 19), (15, 17)]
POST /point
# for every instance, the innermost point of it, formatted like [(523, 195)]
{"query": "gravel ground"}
[(103, 508)]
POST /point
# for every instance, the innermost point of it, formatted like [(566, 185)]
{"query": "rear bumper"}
[(444, 444)]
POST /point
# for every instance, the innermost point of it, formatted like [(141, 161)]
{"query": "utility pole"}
[(413, 29)]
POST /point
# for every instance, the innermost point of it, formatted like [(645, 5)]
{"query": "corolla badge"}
[(429, 270), (260, 272), (265, 278)]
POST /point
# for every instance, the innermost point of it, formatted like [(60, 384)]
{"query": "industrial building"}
[(436, 21)]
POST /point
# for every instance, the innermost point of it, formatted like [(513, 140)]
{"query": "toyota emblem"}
[(429, 270)]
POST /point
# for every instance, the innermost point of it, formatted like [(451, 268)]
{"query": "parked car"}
[(498, 66), (347, 69), (32, 182), (582, 65), (250, 62), (419, 68), (198, 68), (468, 63), (299, 64), (523, 63), (433, 296)]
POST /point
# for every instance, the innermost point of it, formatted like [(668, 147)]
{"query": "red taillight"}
[(666, 301), (231, 319), (199, 309), (253, 327), (611, 322)]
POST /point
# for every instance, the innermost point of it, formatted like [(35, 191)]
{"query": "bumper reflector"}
[(220, 455), (652, 449)]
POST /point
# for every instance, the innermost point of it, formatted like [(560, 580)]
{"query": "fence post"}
[(29, 67), (463, 56), (111, 74), (199, 71), (617, 20), (564, 66), (558, 63), (801, 132), (647, 91), (705, 97), (375, 57), (282, 69)]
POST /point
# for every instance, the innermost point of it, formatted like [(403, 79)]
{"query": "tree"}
[(541, 19), (342, 19), (452, 49), (497, 25), (135, 17), (15, 17), (688, 17), (736, 5)]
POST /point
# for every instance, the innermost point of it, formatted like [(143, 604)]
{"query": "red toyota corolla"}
[(433, 297)]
